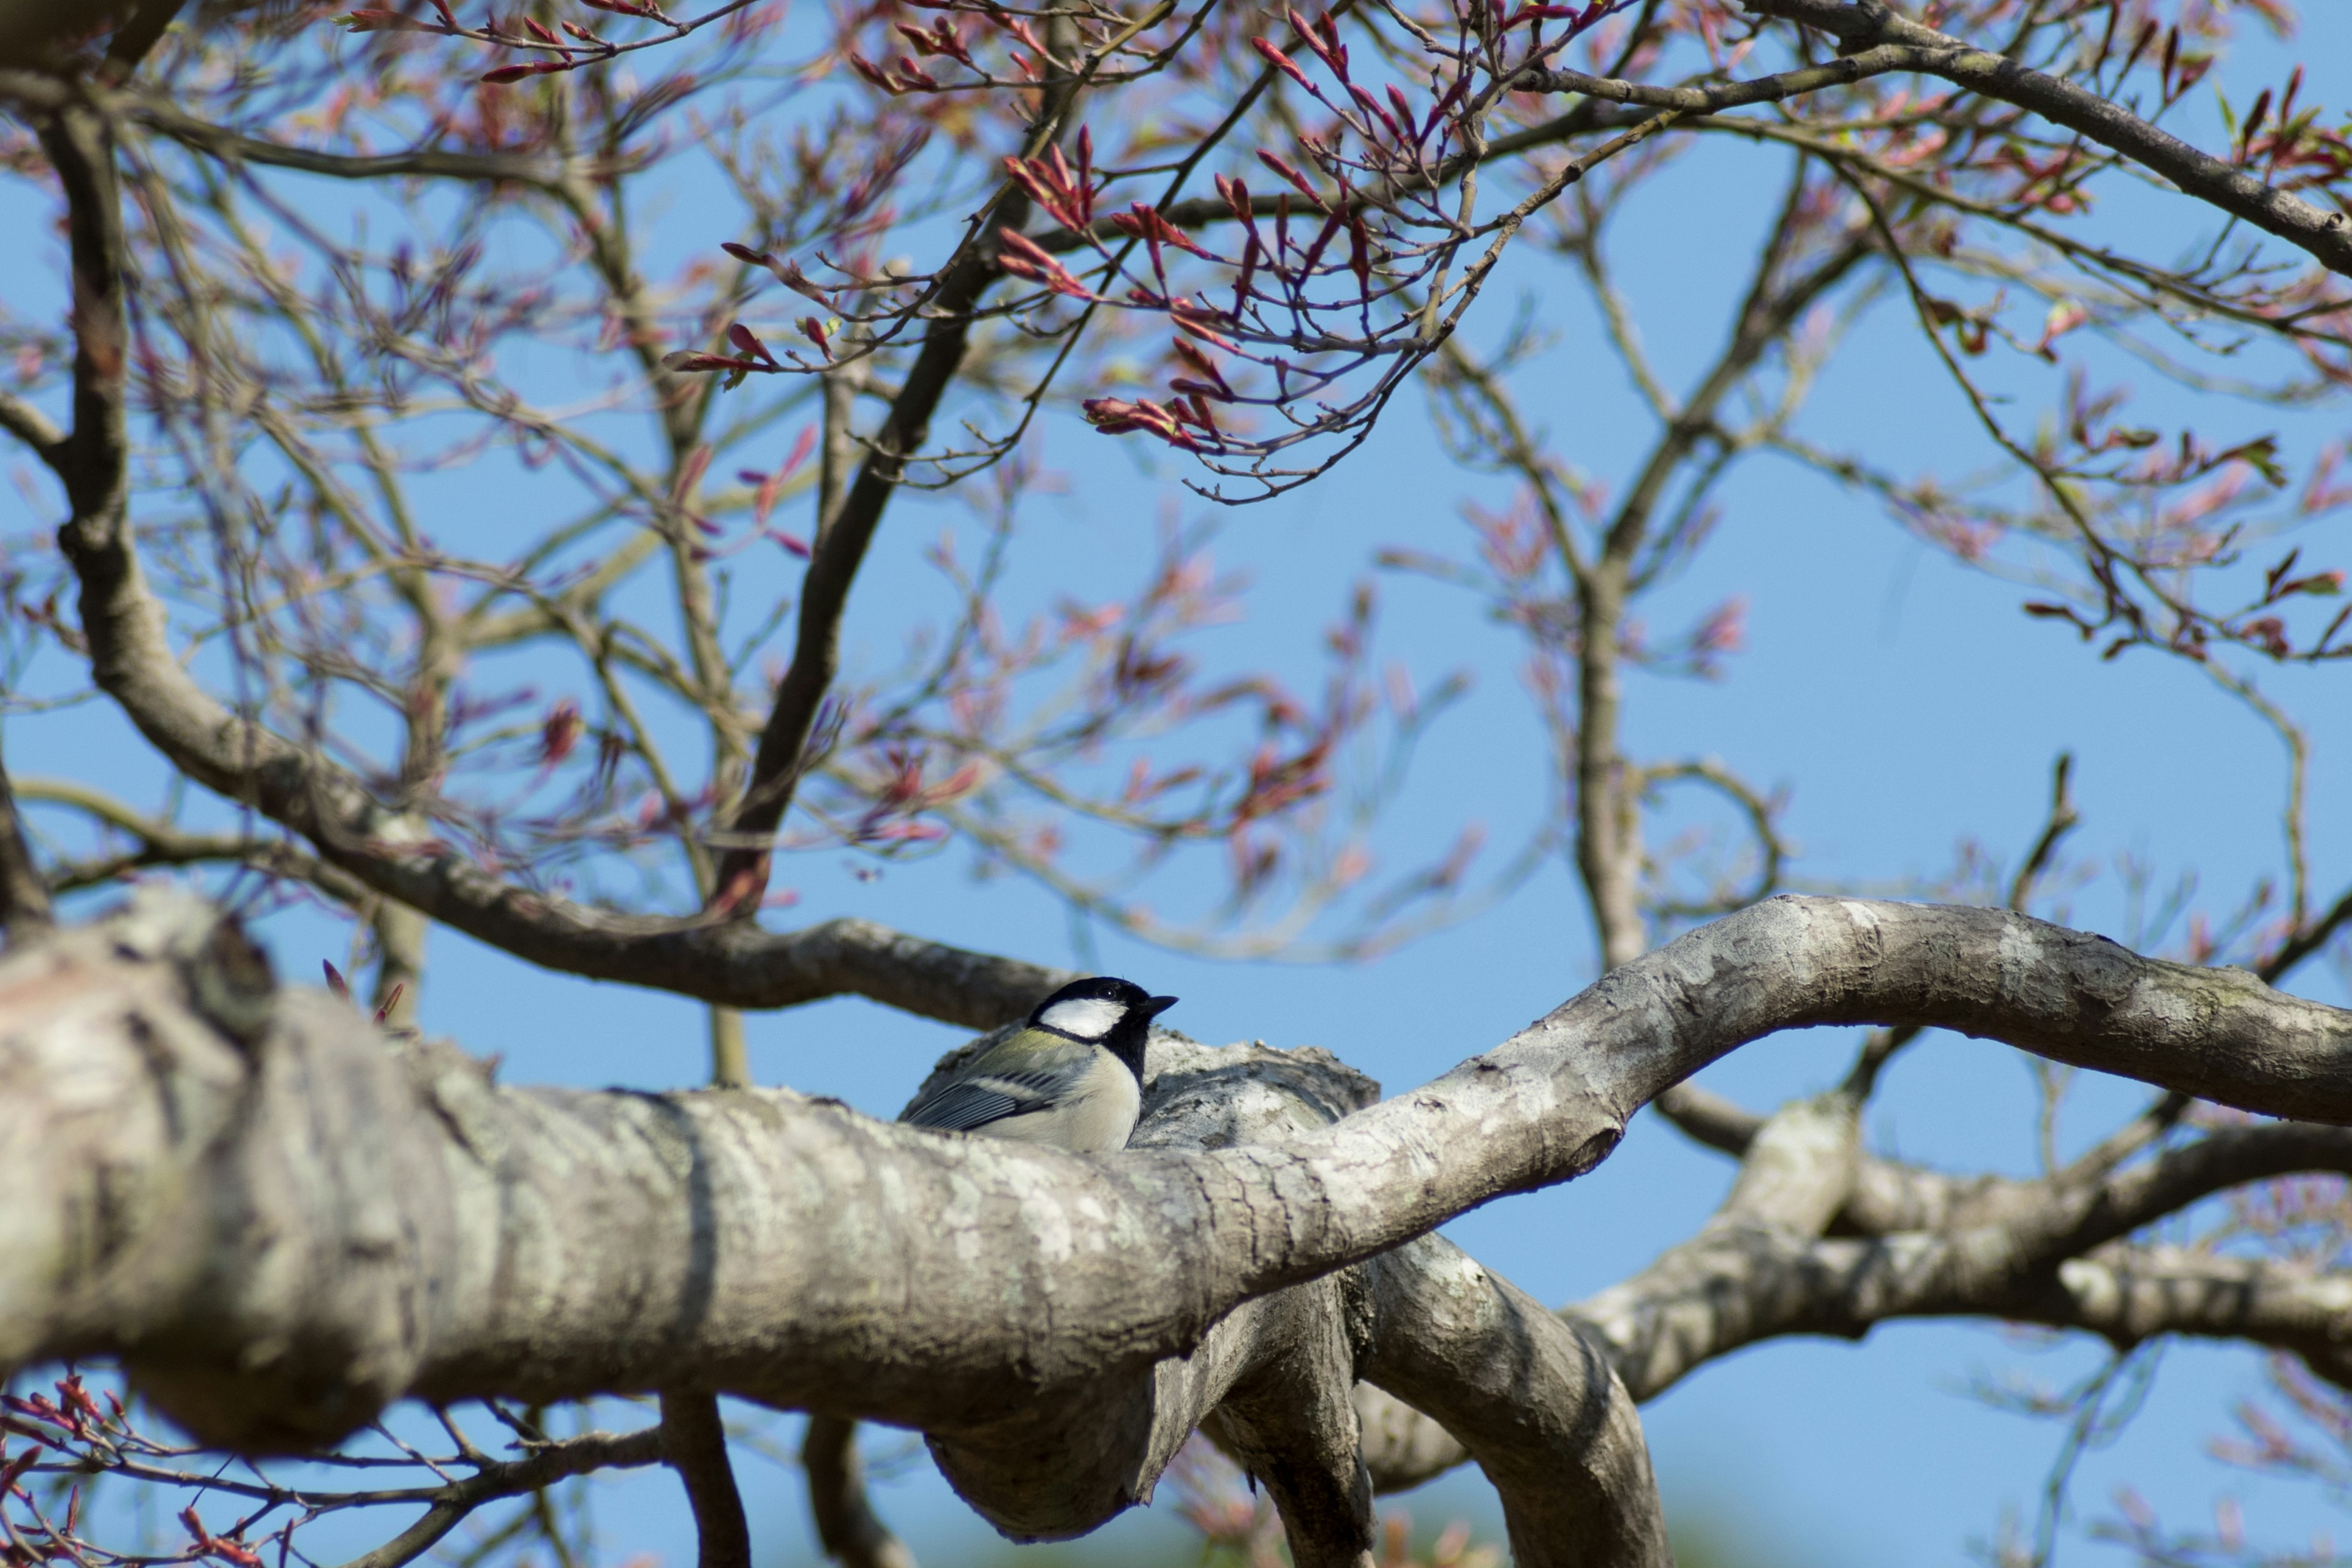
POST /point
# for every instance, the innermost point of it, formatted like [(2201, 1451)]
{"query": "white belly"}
[(1093, 1124)]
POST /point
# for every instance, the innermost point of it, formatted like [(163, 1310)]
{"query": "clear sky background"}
[(1903, 702)]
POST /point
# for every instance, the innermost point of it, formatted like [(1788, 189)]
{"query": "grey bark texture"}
[(281, 1218)]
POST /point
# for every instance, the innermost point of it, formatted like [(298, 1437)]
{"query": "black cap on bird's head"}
[(1111, 1013)]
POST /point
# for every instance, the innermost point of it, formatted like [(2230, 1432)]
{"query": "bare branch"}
[(1705, 1117), (1878, 41), (598, 1193), (139, 32), (2305, 941), (847, 1525), (1529, 1396), (1401, 1447), (840, 549), (1844, 72), (544, 1465), (694, 1443), (2064, 819), (163, 843), (23, 895), (93, 456), (43, 93), (33, 427)]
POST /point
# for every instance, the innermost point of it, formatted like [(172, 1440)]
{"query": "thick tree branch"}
[(1055, 1324), (574, 1242), (2127, 1295), (1529, 1396), (1941, 1246), (1290, 1421), (1782, 1284)]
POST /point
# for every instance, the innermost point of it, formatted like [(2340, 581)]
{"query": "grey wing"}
[(975, 1101)]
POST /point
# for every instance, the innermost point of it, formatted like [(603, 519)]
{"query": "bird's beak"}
[(1157, 1005)]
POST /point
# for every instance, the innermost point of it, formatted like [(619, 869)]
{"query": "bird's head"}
[(1104, 1011)]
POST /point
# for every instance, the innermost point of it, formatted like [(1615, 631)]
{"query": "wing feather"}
[(984, 1096), (962, 1107)]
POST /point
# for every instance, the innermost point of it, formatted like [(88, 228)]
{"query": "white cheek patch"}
[(1087, 1017)]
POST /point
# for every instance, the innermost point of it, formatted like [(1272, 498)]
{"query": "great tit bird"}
[(1073, 1076)]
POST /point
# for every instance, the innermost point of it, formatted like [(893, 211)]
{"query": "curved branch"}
[(24, 894), (1709, 1119), (1531, 1397), (543, 1466), (397, 853), (1291, 1422), (429, 1233), (2129, 1294), (847, 1525), (1401, 1447), (1939, 1246), (163, 843), (694, 1443), (43, 93)]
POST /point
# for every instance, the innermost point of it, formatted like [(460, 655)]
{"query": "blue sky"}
[(1903, 703)]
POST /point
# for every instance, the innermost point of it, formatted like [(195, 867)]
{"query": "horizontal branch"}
[(544, 1465), (1777, 1283), (164, 843), (791, 1250), (1844, 71), (1940, 1244), (40, 92)]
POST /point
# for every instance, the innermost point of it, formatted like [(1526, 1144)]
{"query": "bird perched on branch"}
[(1071, 1076)]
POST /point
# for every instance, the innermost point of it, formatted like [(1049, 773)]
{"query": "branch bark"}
[(1531, 1397), (787, 1250), (694, 1443), (24, 894), (847, 1525)]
